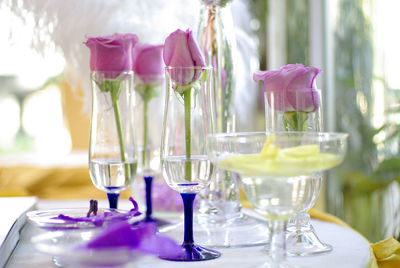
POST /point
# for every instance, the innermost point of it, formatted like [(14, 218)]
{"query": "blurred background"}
[(45, 91)]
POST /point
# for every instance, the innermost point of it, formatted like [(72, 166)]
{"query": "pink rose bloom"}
[(293, 87), (148, 62), (181, 50), (111, 53)]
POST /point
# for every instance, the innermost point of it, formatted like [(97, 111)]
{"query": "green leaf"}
[(146, 92), (203, 76), (388, 170), (356, 181), (295, 120)]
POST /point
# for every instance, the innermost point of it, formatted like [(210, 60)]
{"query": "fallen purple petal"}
[(98, 219), (142, 237)]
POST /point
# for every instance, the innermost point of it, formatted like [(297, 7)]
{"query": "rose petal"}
[(290, 88), (181, 50), (111, 53), (148, 62)]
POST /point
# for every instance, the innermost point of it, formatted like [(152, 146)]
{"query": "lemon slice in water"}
[(301, 151), (269, 149)]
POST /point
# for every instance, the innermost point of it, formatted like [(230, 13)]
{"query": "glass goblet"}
[(299, 110), (112, 155), (276, 169), (185, 164), (148, 119)]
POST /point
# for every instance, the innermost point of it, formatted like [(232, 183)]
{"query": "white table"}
[(350, 249)]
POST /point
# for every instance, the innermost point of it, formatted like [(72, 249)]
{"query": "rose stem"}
[(188, 166)]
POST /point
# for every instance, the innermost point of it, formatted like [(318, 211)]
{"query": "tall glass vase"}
[(219, 208), (112, 151), (185, 164), (149, 91)]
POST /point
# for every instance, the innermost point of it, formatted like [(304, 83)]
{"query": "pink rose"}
[(293, 87), (181, 50), (148, 62), (111, 53)]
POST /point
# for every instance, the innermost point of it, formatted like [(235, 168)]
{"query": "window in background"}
[(31, 116), (9, 120), (363, 55)]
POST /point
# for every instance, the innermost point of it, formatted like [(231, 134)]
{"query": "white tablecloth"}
[(350, 250)]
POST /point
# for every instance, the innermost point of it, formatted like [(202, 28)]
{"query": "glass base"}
[(301, 238), (240, 231), (157, 221), (277, 265), (193, 252), (304, 242)]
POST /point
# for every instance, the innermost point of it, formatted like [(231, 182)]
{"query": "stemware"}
[(276, 169), (112, 155), (185, 164), (148, 114), (299, 109)]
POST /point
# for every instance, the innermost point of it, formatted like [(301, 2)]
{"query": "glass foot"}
[(193, 252), (241, 231), (157, 221), (304, 242), (277, 265)]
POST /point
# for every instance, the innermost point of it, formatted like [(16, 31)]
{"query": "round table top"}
[(350, 250)]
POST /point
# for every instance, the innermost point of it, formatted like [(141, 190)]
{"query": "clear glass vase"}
[(220, 211), (112, 150), (185, 165), (149, 107)]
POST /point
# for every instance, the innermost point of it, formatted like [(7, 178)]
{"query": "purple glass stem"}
[(113, 200), (188, 199), (149, 208)]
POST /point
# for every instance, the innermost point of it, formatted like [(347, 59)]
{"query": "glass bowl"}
[(48, 218), (66, 248)]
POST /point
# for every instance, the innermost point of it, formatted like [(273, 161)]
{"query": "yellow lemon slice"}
[(269, 149), (302, 151)]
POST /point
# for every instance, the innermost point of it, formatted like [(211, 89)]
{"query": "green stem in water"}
[(187, 101), (295, 120), (114, 98), (145, 130)]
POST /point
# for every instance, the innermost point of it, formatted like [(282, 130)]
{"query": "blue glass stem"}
[(149, 209), (113, 200), (188, 199)]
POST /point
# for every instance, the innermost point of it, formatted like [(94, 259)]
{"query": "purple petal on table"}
[(99, 219), (142, 237), (116, 235), (71, 219)]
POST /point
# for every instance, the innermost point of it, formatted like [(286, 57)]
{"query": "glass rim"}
[(111, 72), (188, 68), (280, 91), (293, 134)]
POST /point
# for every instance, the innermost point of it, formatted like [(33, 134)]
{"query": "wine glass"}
[(299, 110), (112, 155), (148, 114), (276, 169), (185, 164)]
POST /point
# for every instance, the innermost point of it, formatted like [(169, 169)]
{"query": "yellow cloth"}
[(386, 253), (50, 183)]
